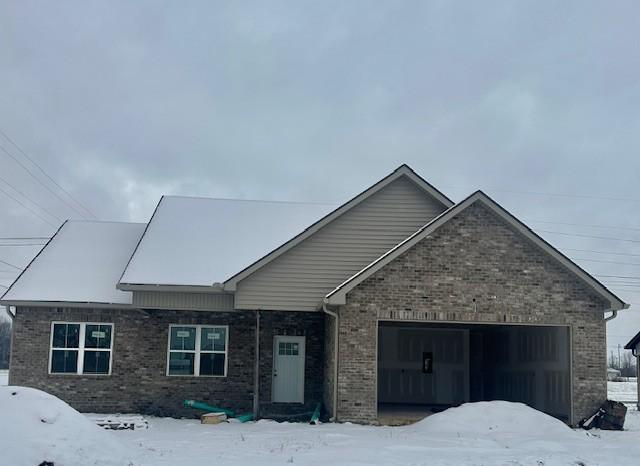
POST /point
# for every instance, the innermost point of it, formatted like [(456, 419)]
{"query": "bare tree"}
[(628, 365)]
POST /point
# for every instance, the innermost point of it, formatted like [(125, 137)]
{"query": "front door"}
[(288, 369)]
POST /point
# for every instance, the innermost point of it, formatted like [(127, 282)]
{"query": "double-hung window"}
[(197, 350), (81, 348)]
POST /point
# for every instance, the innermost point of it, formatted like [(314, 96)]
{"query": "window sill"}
[(197, 376)]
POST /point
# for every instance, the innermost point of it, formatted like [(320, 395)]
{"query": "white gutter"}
[(613, 315), (614, 312), (336, 358), (7, 309)]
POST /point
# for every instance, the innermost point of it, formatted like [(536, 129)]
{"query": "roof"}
[(338, 295), (199, 242), (81, 263), (402, 171), (633, 343), (195, 242)]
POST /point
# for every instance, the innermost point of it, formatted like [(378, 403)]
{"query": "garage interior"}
[(426, 368)]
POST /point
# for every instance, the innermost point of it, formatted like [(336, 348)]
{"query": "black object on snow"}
[(609, 416)]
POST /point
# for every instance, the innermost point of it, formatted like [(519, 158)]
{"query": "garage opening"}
[(425, 368)]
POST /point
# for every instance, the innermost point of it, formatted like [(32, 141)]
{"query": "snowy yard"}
[(625, 392), (480, 435), (4, 377), (35, 426)]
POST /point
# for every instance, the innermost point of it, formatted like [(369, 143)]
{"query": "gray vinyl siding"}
[(302, 276), (183, 300)]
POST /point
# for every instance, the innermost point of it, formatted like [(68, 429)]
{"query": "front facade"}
[(398, 298)]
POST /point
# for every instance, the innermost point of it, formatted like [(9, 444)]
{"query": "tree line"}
[(623, 361)]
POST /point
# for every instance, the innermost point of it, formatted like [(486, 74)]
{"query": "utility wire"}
[(46, 174), (31, 200), (608, 227), (20, 245), (9, 195), (588, 236), (538, 193), (75, 209), (605, 262), (10, 265), (23, 237), (617, 276), (601, 252)]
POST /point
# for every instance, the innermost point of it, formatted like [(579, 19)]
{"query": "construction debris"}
[(213, 418), (120, 422), (610, 416)]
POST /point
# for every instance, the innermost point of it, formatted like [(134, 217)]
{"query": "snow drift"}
[(503, 422), (37, 427)]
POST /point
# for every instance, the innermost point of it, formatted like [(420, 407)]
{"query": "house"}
[(612, 374), (397, 299), (634, 346)]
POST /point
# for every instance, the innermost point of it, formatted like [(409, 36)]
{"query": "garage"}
[(424, 368)]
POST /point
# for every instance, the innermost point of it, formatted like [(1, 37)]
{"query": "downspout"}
[(11, 315), (333, 314), (256, 371), (614, 312)]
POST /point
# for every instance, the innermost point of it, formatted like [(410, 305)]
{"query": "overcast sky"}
[(314, 101)]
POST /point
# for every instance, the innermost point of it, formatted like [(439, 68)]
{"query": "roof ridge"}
[(106, 221), (266, 201)]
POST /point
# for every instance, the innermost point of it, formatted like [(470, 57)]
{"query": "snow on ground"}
[(490, 433), (4, 377), (626, 392), (37, 427)]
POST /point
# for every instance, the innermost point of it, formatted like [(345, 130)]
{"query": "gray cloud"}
[(122, 102)]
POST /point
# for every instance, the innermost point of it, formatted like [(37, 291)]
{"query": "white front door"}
[(288, 369)]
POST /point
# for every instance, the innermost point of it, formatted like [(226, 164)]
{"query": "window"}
[(81, 348), (197, 350), (287, 348)]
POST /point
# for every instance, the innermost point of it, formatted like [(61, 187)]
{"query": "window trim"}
[(197, 351), (80, 349)]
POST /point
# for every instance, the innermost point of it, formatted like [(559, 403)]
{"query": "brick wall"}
[(307, 324), (138, 382), (475, 268)]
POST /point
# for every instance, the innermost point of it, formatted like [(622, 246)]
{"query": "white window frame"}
[(81, 349), (197, 352)]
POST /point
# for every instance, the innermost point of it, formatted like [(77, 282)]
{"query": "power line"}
[(42, 183), (10, 265), (11, 196), (30, 200), (588, 236), (538, 193), (601, 252), (20, 245), (617, 276), (608, 227), (605, 262), (23, 237), (45, 173)]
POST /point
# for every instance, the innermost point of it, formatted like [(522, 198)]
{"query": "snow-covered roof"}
[(192, 241), (81, 263)]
